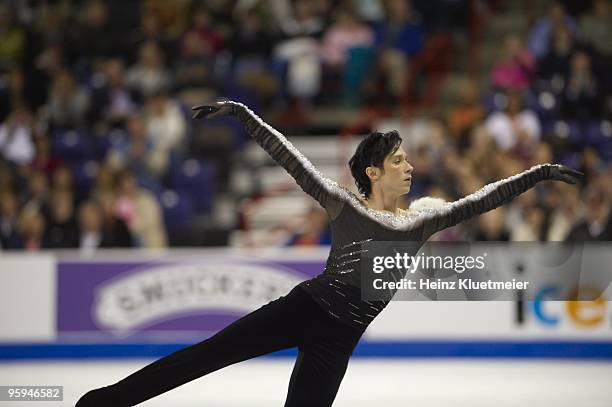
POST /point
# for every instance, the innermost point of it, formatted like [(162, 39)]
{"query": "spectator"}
[(463, 116), (541, 34), (492, 227), (194, 68), (202, 25), (12, 39), (63, 179), (32, 229), (93, 36), (166, 127), (140, 211), (13, 92), (514, 128), (112, 100), (115, 230), (555, 65), (149, 75), (398, 39), (314, 231), (515, 66), (16, 144), (151, 29), (533, 226), (251, 47), (68, 102), (345, 33), (91, 236), (137, 153), (36, 197), (597, 222), (296, 56), (582, 96), (596, 27), (61, 231), (45, 160), (9, 232), (105, 181)]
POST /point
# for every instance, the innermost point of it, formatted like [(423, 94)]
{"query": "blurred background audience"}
[(97, 147)]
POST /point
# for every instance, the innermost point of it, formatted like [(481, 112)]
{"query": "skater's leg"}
[(322, 362), (316, 377), (268, 329)]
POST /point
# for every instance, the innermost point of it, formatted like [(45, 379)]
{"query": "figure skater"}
[(323, 317)]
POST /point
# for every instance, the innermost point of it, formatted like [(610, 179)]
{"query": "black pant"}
[(325, 346)]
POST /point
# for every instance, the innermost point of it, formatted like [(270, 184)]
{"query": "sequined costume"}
[(337, 289)]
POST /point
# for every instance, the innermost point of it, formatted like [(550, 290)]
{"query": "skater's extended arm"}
[(324, 190), (494, 195)]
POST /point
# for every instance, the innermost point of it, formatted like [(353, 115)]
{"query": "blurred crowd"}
[(550, 102), (97, 148)]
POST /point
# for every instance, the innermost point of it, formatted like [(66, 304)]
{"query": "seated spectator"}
[(16, 138), (149, 75), (533, 226), (93, 36), (194, 67), (491, 226), (112, 100), (9, 232), (202, 25), (542, 32), (13, 91), (465, 114), (36, 196), (596, 27), (68, 102), (315, 229), (515, 128), (13, 38), (91, 235), (514, 67), (62, 179), (116, 231), (61, 231), (166, 127), (6, 177), (344, 33), (555, 64), (597, 222), (251, 47), (32, 229), (582, 98), (104, 182), (347, 51), (296, 57), (151, 29), (398, 39), (137, 153), (45, 160), (140, 211)]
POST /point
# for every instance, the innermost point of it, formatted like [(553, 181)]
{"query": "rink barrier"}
[(590, 350)]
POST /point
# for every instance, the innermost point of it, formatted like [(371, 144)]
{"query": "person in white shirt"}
[(515, 125)]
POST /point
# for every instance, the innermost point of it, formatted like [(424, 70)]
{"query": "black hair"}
[(372, 152)]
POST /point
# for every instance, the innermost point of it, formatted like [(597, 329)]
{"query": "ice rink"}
[(368, 382)]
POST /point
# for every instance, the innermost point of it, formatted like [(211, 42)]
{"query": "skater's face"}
[(396, 176)]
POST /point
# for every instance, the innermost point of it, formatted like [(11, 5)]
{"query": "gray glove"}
[(215, 109), (560, 172)]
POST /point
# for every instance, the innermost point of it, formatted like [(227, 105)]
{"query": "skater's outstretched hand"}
[(560, 172), (214, 109)]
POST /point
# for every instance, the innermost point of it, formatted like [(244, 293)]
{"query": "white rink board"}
[(27, 297)]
